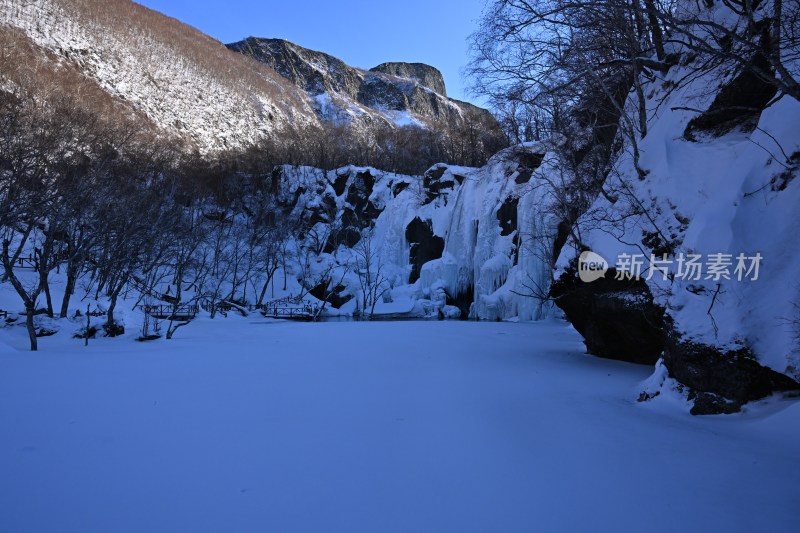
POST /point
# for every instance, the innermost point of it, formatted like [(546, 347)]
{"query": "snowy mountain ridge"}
[(185, 82), (195, 89), (398, 94)]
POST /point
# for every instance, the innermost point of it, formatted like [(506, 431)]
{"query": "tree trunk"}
[(29, 312), (642, 101), (68, 291), (48, 298), (655, 29), (110, 313), (112, 305), (263, 292)]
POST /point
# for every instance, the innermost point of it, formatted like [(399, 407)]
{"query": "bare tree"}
[(369, 266)]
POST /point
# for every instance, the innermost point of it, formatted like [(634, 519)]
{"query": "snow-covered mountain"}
[(193, 88), (399, 94), (188, 84)]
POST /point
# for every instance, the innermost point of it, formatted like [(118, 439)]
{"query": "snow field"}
[(246, 424)]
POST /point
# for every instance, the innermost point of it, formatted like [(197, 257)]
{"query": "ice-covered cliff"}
[(467, 242)]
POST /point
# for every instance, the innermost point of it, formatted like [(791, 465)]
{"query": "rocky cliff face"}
[(194, 89), (714, 185), (398, 94), (425, 75)]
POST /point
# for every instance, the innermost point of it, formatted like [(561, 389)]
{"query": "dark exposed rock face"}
[(738, 104), (425, 246), (507, 215), (721, 381), (335, 297), (297, 65), (425, 75), (340, 183), (617, 319), (435, 182), (362, 212), (412, 87)]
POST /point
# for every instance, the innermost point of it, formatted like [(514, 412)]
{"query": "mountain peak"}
[(426, 75), (395, 93)]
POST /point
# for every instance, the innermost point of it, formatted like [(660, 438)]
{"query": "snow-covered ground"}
[(244, 424)]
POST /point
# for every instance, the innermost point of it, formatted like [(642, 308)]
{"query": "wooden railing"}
[(166, 311), (26, 262), (297, 313)]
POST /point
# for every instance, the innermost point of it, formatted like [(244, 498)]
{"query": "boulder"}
[(721, 380), (617, 318)]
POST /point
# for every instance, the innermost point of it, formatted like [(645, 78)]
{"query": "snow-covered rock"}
[(458, 237), (393, 94), (722, 191)]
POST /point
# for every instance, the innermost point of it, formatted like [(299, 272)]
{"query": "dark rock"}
[(275, 179), (297, 64), (370, 214), (524, 175), (325, 212), (145, 338), (436, 172), (529, 160), (425, 75), (738, 104), (507, 215), (340, 183), (336, 297), (290, 204), (42, 331), (413, 87), (81, 333), (425, 246), (706, 403), (113, 330), (617, 318), (516, 241), (721, 380), (434, 185), (399, 187), (349, 218), (359, 191), (346, 236)]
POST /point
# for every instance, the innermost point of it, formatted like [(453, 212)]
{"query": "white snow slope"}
[(186, 82), (388, 426)]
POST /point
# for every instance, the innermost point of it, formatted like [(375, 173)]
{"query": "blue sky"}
[(362, 34)]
